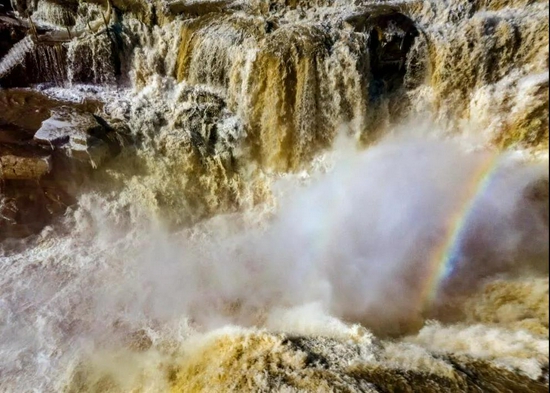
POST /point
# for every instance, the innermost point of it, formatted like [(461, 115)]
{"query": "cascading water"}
[(489, 66), (274, 196)]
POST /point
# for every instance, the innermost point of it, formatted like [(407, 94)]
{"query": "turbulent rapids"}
[(273, 195)]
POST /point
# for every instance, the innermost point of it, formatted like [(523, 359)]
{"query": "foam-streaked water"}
[(109, 276), (275, 228)]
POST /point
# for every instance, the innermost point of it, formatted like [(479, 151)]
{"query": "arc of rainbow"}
[(443, 259)]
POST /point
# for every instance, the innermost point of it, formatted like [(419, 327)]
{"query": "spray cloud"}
[(359, 241)]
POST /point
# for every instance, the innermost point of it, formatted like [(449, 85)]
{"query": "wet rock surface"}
[(199, 7), (48, 148), (78, 134), (48, 140), (293, 73)]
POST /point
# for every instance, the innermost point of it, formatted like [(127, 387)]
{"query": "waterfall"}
[(283, 195)]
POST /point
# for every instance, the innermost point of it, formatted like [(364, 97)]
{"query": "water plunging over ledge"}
[(273, 196)]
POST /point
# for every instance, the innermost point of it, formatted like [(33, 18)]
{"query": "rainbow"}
[(444, 258)]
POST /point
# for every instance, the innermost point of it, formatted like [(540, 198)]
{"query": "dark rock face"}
[(10, 33), (199, 7), (48, 148), (78, 134), (391, 38), (20, 163), (44, 160)]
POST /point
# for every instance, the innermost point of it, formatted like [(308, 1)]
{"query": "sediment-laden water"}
[(296, 196)]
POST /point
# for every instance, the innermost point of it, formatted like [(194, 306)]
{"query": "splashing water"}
[(358, 241), (240, 245)]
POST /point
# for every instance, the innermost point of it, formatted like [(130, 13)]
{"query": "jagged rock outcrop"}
[(44, 160), (78, 134), (291, 98), (222, 98), (24, 164), (200, 7)]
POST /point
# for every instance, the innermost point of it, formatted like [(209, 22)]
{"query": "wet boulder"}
[(27, 199), (75, 133), (27, 206), (21, 163), (45, 157), (19, 159)]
